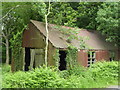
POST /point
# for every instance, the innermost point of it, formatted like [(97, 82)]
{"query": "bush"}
[(5, 68), (76, 70), (39, 78), (100, 74), (105, 72), (79, 77), (0, 76)]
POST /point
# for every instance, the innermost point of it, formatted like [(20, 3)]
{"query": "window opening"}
[(91, 58), (62, 62)]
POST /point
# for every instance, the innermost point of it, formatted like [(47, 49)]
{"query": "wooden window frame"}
[(91, 58)]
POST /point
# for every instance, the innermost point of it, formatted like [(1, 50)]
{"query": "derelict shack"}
[(34, 44)]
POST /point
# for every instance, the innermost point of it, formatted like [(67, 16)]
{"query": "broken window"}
[(62, 62), (112, 55), (91, 58)]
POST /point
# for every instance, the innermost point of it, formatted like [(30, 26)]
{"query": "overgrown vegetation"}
[(71, 57), (0, 76), (87, 15), (101, 74)]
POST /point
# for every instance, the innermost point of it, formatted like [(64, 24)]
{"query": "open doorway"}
[(27, 58), (62, 63)]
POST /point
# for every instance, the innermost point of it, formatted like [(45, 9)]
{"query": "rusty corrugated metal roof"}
[(95, 39)]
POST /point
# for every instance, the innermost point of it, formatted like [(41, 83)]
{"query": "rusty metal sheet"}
[(96, 40), (32, 38)]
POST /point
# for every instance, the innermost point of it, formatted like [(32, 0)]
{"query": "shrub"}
[(39, 78), (100, 74), (0, 77), (105, 72), (5, 68), (76, 70)]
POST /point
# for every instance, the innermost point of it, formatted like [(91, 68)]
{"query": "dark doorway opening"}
[(62, 63), (27, 59)]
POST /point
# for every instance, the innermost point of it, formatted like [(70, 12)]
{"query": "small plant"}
[(5, 68)]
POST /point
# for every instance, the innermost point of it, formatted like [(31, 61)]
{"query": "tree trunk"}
[(7, 51), (47, 35), (46, 48)]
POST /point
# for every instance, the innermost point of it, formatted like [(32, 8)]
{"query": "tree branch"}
[(9, 11), (3, 35), (4, 43), (48, 9), (10, 31)]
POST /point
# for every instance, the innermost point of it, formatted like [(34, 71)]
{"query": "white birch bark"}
[(47, 35)]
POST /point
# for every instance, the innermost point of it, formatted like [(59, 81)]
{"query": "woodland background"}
[(102, 16)]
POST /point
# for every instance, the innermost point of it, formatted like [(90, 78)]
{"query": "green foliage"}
[(71, 57), (13, 21), (101, 16), (87, 15), (3, 54), (16, 15), (5, 68), (87, 12), (62, 14), (16, 42), (105, 70), (107, 19), (56, 57), (39, 10), (99, 75), (42, 77), (72, 34), (0, 75), (75, 14)]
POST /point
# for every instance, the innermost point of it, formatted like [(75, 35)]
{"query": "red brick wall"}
[(102, 55), (82, 57)]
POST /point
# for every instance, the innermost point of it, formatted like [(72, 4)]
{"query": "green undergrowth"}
[(0, 76), (99, 75)]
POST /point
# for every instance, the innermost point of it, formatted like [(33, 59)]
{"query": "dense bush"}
[(0, 76), (5, 68), (39, 78), (98, 75), (105, 72)]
